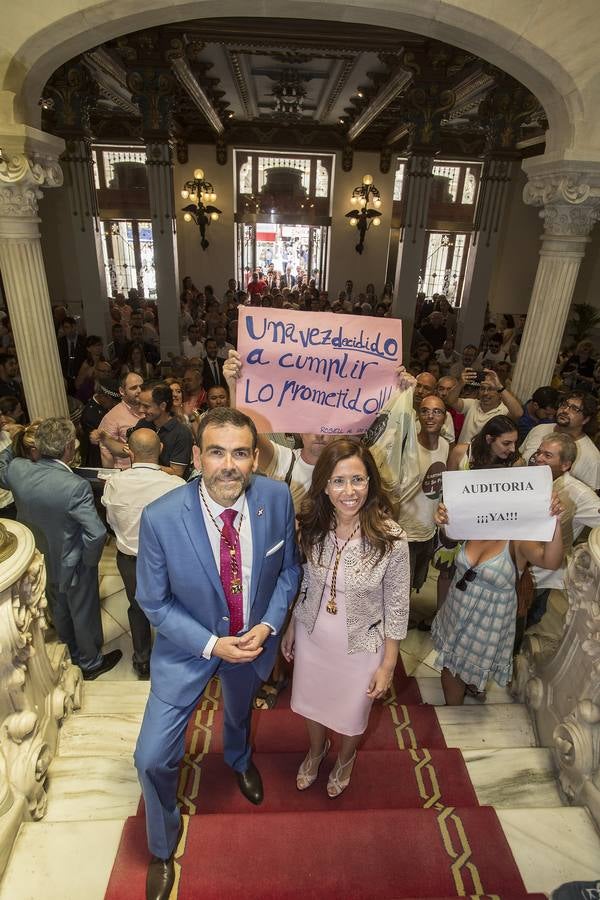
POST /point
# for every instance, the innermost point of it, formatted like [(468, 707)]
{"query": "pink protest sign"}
[(318, 373)]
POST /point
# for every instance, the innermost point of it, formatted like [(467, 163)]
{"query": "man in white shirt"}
[(493, 400), (223, 345), (193, 347), (574, 416), (581, 509), (416, 514), (126, 495)]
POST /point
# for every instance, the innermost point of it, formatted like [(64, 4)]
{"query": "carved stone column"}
[(570, 197), (36, 693), (23, 171), (483, 247), (88, 261), (413, 234), (561, 682), (164, 236)]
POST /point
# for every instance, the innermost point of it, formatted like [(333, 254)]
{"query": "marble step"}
[(516, 778), (551, 847), (431, 692), (87, 788), (61, 860), (496, 726)]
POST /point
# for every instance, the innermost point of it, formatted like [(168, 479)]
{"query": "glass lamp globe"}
[(213, 197), (376, 202), (187, 217), (185, 194), (367, 179), (377, 221), (214, 216), (353, 221), (199, 174)]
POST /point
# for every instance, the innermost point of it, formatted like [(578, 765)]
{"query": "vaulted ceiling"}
[(292, 83)]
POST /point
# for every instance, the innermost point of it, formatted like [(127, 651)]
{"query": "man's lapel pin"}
[(260, 510)]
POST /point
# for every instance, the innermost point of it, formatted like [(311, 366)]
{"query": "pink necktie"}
[(231, 571)]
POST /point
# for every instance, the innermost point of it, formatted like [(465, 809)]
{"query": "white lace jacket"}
[(377, 593)]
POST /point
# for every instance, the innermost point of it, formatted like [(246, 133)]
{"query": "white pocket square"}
[(274, 549)]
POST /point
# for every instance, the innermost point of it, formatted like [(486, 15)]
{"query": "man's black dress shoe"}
[(109, 661), (250, 784), (161, 873), (142, 670)]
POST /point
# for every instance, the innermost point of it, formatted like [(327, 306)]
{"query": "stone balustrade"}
[(36, 692), (558, 675)]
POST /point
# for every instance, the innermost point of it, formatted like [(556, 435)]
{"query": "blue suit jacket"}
[(179, 588), (58, 506)]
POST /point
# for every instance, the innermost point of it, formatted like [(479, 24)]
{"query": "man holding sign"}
[(474, 631)]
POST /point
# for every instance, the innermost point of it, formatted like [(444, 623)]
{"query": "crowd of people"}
[(339, 530)]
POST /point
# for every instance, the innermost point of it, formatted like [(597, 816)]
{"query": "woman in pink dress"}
[(352, 610)]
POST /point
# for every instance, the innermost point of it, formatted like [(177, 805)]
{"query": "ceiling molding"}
[(187, 80), (111, 78), (338, 81), (241, 85), (380, 101)]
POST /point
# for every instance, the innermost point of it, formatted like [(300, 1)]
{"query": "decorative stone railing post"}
[(23, 171), (558, 676), (570, 196), (35, 692)]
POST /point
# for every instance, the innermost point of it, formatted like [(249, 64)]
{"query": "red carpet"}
[(409, 825)]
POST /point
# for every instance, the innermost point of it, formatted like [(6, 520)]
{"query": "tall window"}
[(128, 252), (124, 205)]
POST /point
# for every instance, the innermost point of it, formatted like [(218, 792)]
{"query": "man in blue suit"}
[(217, 571)]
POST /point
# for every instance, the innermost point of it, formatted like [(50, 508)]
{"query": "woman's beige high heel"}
[(309, 768), (339, 777)]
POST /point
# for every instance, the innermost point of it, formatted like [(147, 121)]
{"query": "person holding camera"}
[(493, 400)]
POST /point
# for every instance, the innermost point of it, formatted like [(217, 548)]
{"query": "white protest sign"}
[(499, 504)]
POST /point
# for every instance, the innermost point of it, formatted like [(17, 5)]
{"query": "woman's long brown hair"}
[(317, 515)]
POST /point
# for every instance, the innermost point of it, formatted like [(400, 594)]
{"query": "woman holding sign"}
[(474, 631), (353, 606)]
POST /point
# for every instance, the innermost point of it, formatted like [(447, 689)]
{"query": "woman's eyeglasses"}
[(469, 576), (359, 482)]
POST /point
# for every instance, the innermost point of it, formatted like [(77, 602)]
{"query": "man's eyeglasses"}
[(571, 407), (359, 482), (469, 576), (437, 413)]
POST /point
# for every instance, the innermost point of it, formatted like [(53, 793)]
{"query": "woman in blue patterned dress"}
[(474, 631)]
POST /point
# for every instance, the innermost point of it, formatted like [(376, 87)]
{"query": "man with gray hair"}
[(58, 506), (581, 509)]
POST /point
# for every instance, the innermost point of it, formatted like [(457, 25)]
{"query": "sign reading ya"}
[(497, 504), (316, 372)]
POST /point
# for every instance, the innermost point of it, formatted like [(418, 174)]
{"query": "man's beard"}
[(226, 486)]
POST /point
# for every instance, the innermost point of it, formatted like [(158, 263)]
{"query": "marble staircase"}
[(93, 786)]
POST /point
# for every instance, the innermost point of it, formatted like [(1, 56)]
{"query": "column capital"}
[(569, 194), (28, 162)]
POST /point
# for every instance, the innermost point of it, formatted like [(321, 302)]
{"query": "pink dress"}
[(330, 685)]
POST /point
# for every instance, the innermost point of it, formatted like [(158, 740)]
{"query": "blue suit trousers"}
[(160, 747)]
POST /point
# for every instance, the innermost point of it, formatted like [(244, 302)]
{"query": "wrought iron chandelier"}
[(366, 201), (200, 210)]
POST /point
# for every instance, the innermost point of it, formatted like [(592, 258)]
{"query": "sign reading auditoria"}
[(499, 504), (316, 372)]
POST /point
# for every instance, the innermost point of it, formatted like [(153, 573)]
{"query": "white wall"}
[(217, 263), (344, 261)]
